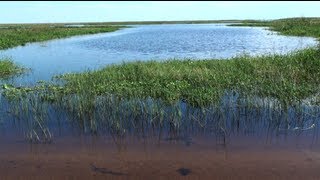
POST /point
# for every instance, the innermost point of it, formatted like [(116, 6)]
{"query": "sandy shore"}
[(102, 159)]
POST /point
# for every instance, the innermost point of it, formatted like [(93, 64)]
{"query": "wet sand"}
[(82, 159)]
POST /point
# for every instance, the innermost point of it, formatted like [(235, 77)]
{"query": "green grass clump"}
[(298, 26), (288, 78), (8, 68), (20, 35)]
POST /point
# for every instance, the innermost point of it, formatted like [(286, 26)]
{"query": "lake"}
[(149, 42)]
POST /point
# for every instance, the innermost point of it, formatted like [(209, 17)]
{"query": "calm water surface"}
[(146, 42)]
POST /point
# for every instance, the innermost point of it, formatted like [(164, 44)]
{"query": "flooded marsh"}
[(198, 101)]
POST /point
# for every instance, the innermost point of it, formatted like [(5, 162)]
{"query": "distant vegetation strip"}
[(290, 26), (15, 35), (134, 22)]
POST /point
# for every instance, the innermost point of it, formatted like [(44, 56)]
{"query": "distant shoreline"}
[(140, 22)]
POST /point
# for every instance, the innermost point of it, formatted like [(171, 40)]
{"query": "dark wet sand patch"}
[(105, 171), (184, 171)]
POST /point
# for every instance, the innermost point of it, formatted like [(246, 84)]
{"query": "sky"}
[(110, 11)]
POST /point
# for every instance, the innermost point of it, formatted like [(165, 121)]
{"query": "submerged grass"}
[(16, 35)]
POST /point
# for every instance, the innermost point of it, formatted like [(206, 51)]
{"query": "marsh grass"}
[(21, 34), (179, 98), (302, 26), (8, 68), (288, 78)]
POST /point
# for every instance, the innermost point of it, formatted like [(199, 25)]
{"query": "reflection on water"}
[(233, 120)]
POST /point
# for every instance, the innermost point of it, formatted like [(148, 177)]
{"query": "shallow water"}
[(133, 140), (253, 147)]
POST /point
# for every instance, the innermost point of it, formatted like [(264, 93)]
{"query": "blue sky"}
[(104, 11)]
